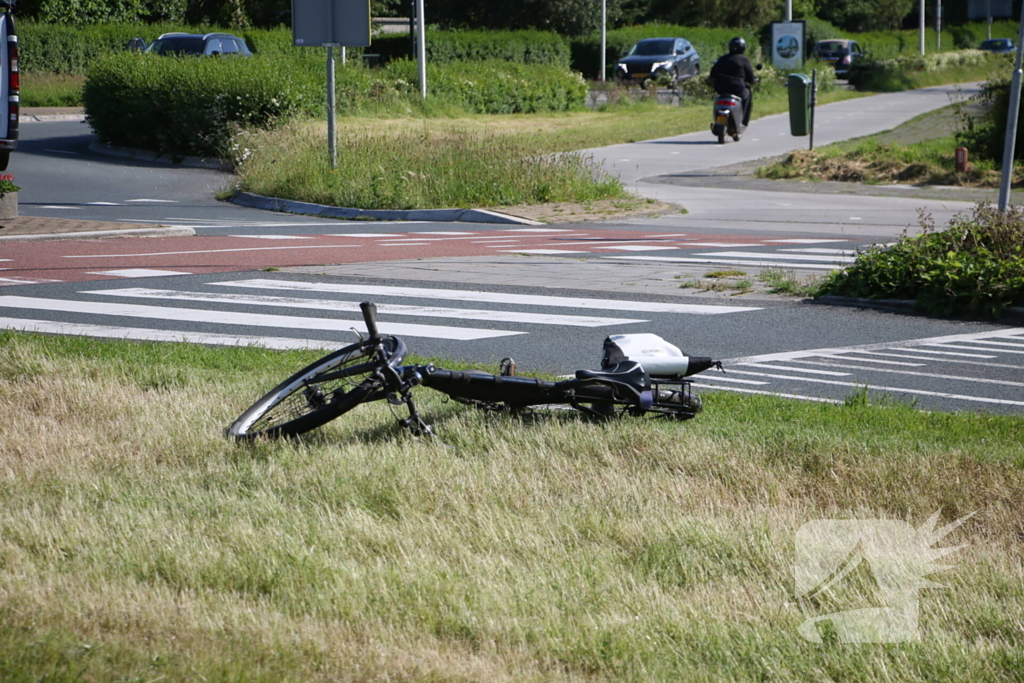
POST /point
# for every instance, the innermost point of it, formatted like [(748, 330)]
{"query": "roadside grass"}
[(930, 162), (51, 90), (137, 543)]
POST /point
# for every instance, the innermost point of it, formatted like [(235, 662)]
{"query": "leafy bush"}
[(523, 47), (191, 105), (974, 266), (899, 73), (985, 136)]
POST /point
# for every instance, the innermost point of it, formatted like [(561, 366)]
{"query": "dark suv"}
[(194, 44), (674, 58)]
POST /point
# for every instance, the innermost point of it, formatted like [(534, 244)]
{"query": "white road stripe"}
[(194, 315), (155, 201), (837, 252), (946, 353), (273, 237), (723, 245), (973, 348), (537, 230), (140, 272), (799, 397), (727, 262), (874, 360), (639, 248), (144, 334), (950, 360), (213, 251), (995, 343), (734, 380), (902, 390), (803, 241), (382, 309), (807, 370), (772, 254), (912, 373), (487, 297), (11, 281), (888, 346), (543, 252)]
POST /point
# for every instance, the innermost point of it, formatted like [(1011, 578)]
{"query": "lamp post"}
[(604, 38)]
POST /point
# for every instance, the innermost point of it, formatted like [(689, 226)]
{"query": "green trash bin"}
[(799, 104)]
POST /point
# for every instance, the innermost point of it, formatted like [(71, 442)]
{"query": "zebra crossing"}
[(977, 371), (229, 311)]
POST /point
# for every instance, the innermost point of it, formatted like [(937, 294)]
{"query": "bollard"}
[(960, 159)]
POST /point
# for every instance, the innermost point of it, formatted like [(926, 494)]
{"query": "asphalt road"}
[(536, 298)]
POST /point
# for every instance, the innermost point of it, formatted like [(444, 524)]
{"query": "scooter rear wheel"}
[(721, 138)]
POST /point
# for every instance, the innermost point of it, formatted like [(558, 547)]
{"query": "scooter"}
[(728, 113)]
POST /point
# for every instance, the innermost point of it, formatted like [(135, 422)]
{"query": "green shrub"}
[(899, 73), (189, 105), (975, 266), (985, 136), (523, 47)]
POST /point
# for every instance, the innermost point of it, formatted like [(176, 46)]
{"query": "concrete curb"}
[(256, 201), (42, 118), (1010, 315), (92, 234), (147, 155)]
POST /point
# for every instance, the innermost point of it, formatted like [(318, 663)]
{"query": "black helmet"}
[(737, 46)]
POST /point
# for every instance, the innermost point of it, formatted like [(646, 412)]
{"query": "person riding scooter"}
[(734, 74)]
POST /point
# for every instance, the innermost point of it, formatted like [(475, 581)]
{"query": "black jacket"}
[(735, 67)]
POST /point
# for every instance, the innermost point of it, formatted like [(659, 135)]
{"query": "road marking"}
[(196, 315), (912, 373), (908, 345), (439, 232), (155, 201), (734, 380), (353, 307), (140, 272), (363, 234), (807, 370), (487, 297), (144, 334), (948, 353), (62, 207), (627, 247), (273, 237), (838, 252), (794, 257), (11, 281), (877, 360), (543, 252), (995, 343), (799, 397), (726, 262), (537, 230), (972, 348), (212, 251), (902, 390), (986, 364), (803, 241), (103, 204), (723, 245)]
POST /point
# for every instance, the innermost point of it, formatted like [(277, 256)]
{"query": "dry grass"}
[(136, 542)]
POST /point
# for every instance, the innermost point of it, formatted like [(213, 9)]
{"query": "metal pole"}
[(332, 148), (814, 101), (343, 56), (938, 25), (1011, 123), (604, 38), (421, 47), (988, 22), (920, 37), (789, 10)]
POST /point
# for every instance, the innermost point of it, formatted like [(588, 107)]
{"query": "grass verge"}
[(137, 543), (51, 90)]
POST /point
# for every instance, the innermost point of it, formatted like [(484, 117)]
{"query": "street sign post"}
[(331, 24)]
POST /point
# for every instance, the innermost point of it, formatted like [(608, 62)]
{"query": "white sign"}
[(787, 44)]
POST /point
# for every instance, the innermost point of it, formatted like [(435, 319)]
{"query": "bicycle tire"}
[(301, 403)]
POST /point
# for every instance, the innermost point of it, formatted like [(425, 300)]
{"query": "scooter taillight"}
[(725, 103)]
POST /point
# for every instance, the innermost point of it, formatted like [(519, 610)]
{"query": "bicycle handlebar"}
[(370, 318)]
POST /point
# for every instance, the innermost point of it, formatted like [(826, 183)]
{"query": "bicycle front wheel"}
[(319, 392)]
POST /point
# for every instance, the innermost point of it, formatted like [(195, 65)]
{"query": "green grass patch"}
[(137, 543), (908, 72), (975, 266), (51, 90)]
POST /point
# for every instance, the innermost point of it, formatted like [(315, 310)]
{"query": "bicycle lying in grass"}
[(371, 370)]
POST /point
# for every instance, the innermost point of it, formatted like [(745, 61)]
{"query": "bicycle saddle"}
[(627, 372)]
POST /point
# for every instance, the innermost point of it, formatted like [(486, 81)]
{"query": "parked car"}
[(839, 53), (998, 45), (672, 58), (193, 44)]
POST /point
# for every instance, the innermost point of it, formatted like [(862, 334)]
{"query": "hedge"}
[(895, 74), (523, 47), (192, 106)]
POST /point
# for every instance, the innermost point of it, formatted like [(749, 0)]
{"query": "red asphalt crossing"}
[(34, 262)]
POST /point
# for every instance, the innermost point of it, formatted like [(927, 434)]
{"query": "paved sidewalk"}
[(25, 228)]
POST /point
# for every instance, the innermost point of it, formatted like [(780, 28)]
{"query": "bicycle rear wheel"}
[(318, 393)]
